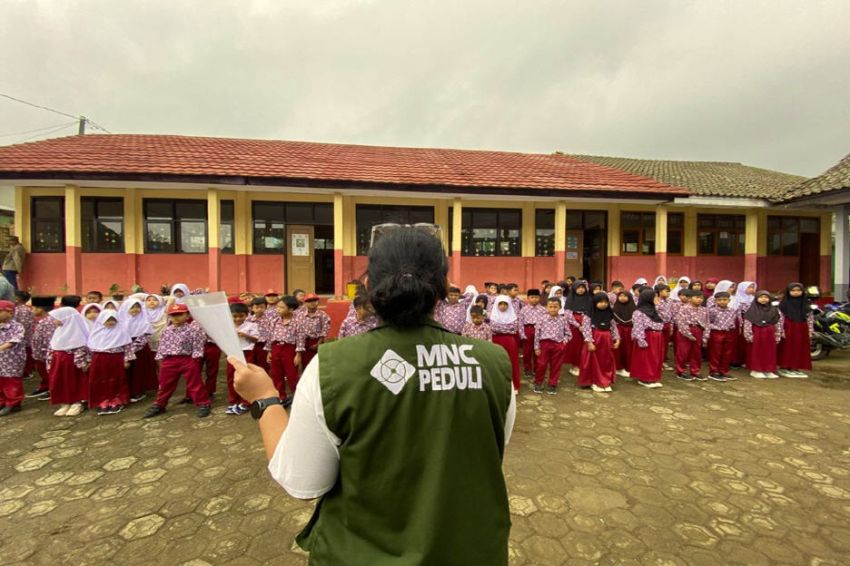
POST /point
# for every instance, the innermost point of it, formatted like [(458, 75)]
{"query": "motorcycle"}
[(832, 327)]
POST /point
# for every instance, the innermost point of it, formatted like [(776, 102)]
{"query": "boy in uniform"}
[(40, 343), (531, 314), (13, 356), (313, 328)]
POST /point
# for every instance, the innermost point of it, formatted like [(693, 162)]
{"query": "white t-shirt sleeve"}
[(510, 418), (306, 460)]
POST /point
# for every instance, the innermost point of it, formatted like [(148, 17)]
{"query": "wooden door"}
[(810, 259), (300, 259), (574, 253)]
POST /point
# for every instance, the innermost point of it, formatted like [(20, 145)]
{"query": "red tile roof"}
[(162, 157)]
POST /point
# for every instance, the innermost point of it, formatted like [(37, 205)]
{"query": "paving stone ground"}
[(750, 472)]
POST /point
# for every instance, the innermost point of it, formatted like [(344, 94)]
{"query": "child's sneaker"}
[(242, 408), (699, 377), (716, 377), (203, 411), (552, 390), (137, 398), (684, 377), (537, 388), (153, 411), (758, 375), (666, 367), (231, 410), (598, 389), (729, 377)]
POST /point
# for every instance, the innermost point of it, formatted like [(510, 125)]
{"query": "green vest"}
[(421, 416)]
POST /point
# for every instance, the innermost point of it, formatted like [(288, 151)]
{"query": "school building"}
[(249, 215)]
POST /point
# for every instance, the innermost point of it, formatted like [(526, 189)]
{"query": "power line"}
[(47, 133), (34, 105), (36, 130)]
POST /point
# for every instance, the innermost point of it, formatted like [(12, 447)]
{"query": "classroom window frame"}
[(544, 232), (711, 227), (784, 234), (227, 225), (44, 227), (497, 230), (267, 228), (675, 233), (368, 215), (641, 231), (177, 223), (93, 219)]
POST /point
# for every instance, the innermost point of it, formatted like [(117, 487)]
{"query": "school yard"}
[(749, 472)]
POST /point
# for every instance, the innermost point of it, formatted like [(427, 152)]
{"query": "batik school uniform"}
[(623, 314), (25, 316), (648, 347), (723, 323), (353, 326), (180, 351), (111, 349), (12, 362), (248, 328), (763, 329), (481, 331), (141, 375), (452, 317), (742, 302), (313, 327), (551, 334), (798, 326), (507, 333), (665, 311), (529, 317), (286, 339), (597, 367), (263, 331), (210, 363), (517, 305), (67, 358), (39, 345), (692, 333)]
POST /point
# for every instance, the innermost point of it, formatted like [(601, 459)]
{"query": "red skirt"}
[(795, 349), (761, 353), (107, 381), (646, 362), (572, 349), (67, 384), (623, 354), (597, 367), (510, 342)]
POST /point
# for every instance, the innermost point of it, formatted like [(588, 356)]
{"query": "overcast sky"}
[(766, 83)]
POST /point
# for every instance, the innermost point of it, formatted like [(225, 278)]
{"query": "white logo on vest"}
[(392, 371)]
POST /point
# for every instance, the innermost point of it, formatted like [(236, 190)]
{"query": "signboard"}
[(572, 255), (300, 244)]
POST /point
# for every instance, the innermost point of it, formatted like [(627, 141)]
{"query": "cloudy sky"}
[(765, 83)]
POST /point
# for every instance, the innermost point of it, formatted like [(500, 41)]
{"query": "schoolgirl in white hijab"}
[(67, 358), (498, 316), (723, 286), (138, 324), (111, 347), (71, 332), (507, 333), (674, 292), (108, 338), (744, 299), (85, 312), (183, 288)]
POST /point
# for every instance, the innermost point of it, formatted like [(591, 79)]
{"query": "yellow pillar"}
[(214, 239), (339, 240), (132, 240), (528, 230), (690, 247), (22, 217), (826, 279), (751, 232), (457, 227), (560, 239), (661, 240), (242, 242), (349, 239), (441, 219), (614, 236), (73, 237)]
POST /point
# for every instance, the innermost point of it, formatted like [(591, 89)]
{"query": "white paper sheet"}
[(213, 313)]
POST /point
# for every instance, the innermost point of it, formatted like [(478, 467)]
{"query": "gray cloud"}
[(764, 83)]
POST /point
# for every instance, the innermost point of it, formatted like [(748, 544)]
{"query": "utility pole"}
[(82, 129)]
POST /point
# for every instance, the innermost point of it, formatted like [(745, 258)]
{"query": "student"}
[(531, 314), (567, 283), (477, 326), (179, 292), (25, 316), (299, 295), (155, 311), (181, 348), (210, 365), (798, 325), (616, 288), (551, 334), (313, 328), (90, 313), (258, 317), (111, 350), (648, 340), (577, 305), (365, 320), (763, 330), (636, 288), (744, 295), (692, 334), (624, 308), (596, 287), (141, 372), (697, 286), (67, 359), (248, 333), (660, 280), (94, 298), (491, 289), (272, 298), (724, 335), (710, 288), (13, 358), (665, 310), (600, 339), (681, 285), (723, 286), (507, 333), (40, 343), (450, 313), (285, 346), (513, 294), (110, 305)]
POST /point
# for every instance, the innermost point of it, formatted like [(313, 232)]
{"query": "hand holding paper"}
[(213, 314)]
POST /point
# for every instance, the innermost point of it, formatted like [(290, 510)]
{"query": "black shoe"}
[(716, 377), (203, 411), (537, 388), (153, 411), (116, 409), (729, 377), (684, 377), (102, 411), (185, 401), (552, 390), (8, 410), (699, 377), (39, 393)]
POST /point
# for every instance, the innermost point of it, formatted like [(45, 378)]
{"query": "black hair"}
[(72, 301), (617, 283), (407, 276), (98, 293), (553, 300), (258, 301), (454, 289), (23, 296), (118, 297), (502, 288), (291, 302), (722, 295), (296, 291), (563, 284), (476, 310), (360, 301), (512, 286), (238, 308)]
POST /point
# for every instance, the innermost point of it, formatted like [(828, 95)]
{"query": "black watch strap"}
[(259, 406)]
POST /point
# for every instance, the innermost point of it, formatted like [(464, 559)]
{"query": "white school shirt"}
[(306, 460)]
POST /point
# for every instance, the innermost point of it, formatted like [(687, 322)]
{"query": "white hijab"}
[(563, 298), (155, 314), (743, 299), (471, 289), (138, 325), (640, 281), (103, 338), (674, 292), (502, 317), (87, 308), (114, 304), (180, 287), (660, 279), (72, 333)]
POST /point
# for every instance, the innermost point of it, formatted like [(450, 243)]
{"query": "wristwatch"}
[(259, 406)]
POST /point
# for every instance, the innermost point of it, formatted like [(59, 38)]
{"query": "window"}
[(544, 233), (48, 224), (225, 231), (175, 226), (720, 234), (585, 220), (638, 233), (675, 233), (102, 224), (270, 220), (369, 215), (491, 232), (783, 234)]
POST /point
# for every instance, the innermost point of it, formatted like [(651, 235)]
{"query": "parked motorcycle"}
[(832, 327)]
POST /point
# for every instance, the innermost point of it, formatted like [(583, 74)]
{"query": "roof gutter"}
[(722, 201)]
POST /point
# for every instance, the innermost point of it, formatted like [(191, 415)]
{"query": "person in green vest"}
[(400, 431)]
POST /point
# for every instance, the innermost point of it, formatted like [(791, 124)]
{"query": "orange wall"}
[(265, 272), (44, 273), (154, 270)]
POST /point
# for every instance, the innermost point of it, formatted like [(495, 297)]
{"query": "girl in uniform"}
[(577, 305), (649, 341), (763, 330), (111, 350), (141, 375), (624, 308), (90, 313), (67, 358), (600, 339), (507, 333), (795, 351), (13, 358)]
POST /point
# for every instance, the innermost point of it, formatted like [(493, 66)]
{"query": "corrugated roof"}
[(281, 162)]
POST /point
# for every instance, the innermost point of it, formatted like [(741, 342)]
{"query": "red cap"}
[(7, 306), (271, 292), (177, 309), (311, 297)]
